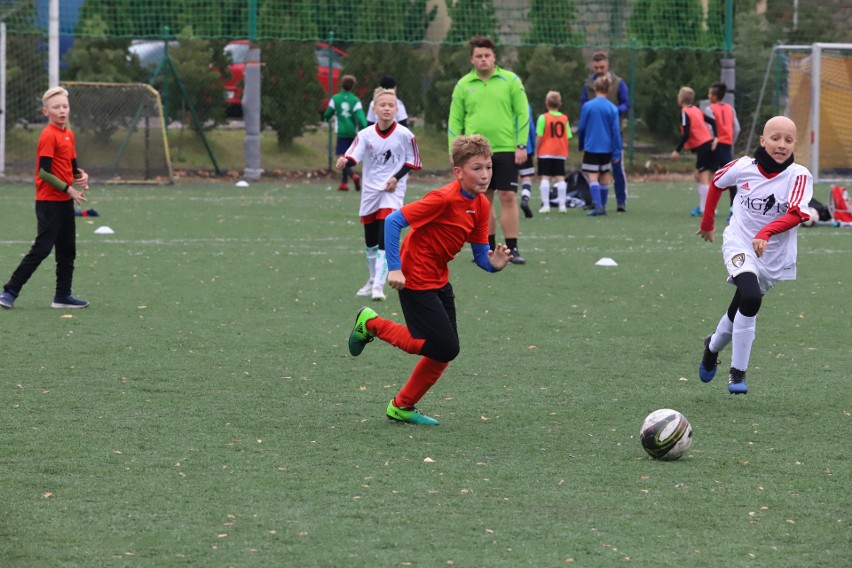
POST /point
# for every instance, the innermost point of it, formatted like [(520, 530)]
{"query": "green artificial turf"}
[(205, 412)]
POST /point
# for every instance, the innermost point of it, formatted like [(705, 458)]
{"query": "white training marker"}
[(606, 261), (242, 183), (104, 230)]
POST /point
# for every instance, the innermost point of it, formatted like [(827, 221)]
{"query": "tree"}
[(97, 57)]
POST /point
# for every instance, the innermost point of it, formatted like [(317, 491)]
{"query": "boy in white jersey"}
[(389, 151), (759, 244)]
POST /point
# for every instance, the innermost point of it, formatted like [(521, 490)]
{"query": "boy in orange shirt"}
[(696, 136), (553, 133), (441, 223), (56, 174)]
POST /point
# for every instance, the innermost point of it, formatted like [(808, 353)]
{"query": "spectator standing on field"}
[(697, 137), (491, 101), (389, 151), (441, 223), (599, 138), (619, 95), (727, 127), (388, 82), (349, 113), (553, 133), (759, 244), (56, 175)]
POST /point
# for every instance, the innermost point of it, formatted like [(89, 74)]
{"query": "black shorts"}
[(596, 162), (551, 167), (705, 158), (504, 172), (724, 155), (527, 168), (343, 145), (431, 315)]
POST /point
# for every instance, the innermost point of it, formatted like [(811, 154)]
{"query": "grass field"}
[(205, 412)]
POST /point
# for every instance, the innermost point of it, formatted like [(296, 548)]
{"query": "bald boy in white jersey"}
[(759, 244)]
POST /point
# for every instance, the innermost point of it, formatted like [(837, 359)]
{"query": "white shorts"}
[(739, 260)]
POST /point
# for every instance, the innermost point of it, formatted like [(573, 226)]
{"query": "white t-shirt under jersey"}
[(760, 200), (401, 113), (383, 156)]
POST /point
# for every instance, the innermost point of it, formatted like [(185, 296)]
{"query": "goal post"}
[(812, 84), (121, 132)]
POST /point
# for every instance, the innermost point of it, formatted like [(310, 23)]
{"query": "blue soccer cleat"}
[(737, 382), (709, 363)]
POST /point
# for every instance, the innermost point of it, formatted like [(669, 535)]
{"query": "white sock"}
[(742, 338), (545, 192), (525, 192), (722, 336), (380, 275), (561, 193), (371, 260), (702, 195)]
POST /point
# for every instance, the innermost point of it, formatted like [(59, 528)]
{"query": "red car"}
[(238, 50)]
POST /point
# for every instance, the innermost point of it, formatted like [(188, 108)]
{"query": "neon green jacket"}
[(496, 108)]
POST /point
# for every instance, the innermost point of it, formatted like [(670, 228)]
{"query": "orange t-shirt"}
[(698, 132), (724, 114), (58, 145), (553, 141), (441, 223)]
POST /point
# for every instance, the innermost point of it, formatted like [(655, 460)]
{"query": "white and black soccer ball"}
[(666, 434), (813, 215)]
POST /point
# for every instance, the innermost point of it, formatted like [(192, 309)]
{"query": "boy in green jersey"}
[(350, 119)]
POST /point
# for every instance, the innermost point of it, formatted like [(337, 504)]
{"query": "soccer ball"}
[(666, 434), (814, 217)]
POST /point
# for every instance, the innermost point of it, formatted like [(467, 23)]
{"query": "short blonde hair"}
[(685, 96), (467, 147), (379, 91), (553, 99), (52, 92), (602, 84)]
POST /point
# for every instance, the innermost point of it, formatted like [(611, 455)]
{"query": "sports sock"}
[(742, 339), (595, 190), (371, 260), (492, 241), (426, 373), (604, 194), (380, 270), (722, 336), (545, 192), (561, 193), (395, 334), (526, 187), (702, 195), (511, 243)]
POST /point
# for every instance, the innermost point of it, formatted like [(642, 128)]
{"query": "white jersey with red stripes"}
[(763, 198), (383, 156)]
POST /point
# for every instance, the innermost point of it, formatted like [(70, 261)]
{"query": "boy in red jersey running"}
[(759, 245), (56, 175), (441, 223)]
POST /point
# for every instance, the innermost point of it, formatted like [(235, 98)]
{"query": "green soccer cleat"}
[(361, 336), (410, 415)]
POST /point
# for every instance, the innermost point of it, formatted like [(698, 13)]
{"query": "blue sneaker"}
[(7, 300), (68, 302), (709, 363), (737, 382), (696, 212), (596, 212)]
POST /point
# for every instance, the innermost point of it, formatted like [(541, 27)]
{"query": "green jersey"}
[(350, 114), (496, 108)]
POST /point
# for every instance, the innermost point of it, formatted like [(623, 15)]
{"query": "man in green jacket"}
[(492, 102)]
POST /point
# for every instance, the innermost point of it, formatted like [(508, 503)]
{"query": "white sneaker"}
[(563, 209), (366, 290), (379, 293), (544, 209)]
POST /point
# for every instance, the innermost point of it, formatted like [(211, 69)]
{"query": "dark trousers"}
[(56, 231), (431, 315)]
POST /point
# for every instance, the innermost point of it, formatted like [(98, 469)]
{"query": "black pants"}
[(57, 231), (431, 315)]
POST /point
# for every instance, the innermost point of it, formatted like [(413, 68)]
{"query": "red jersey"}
[(60, 146), (724, 115), (441, 223), (698, 132)]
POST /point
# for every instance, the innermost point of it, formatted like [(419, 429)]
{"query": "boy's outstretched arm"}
[(394, 224)]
